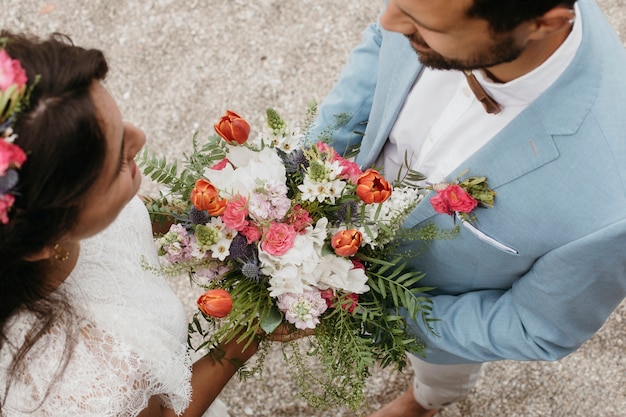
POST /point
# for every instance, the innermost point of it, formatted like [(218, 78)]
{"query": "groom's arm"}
[(350, 100), (548, 313)]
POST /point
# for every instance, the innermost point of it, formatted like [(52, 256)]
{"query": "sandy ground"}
[(176, 66)]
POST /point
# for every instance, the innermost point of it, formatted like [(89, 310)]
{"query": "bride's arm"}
[(210, 376)]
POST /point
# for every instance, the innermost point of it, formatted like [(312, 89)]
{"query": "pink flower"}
[(299, 219), (328, 295), (269, 201), (11, 156), (6, 202), (278, 239), (349, 302), (357, 264), (234, 216), (11, 72), (220, 165), (350, 170), (453, 199), (302, 310), (325, 148), (251, 232)]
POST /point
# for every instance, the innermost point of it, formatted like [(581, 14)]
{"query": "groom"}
[(530, 94)]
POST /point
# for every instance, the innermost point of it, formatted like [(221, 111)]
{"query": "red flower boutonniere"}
[(462, 197)]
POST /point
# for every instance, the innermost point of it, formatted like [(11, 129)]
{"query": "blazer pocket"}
[(486, 238)]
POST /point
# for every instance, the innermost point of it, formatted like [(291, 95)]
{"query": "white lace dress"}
[(131, 341)]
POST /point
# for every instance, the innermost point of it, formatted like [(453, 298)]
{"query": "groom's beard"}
[(503, 50)]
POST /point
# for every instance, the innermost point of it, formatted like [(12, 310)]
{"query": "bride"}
[(85, 330)]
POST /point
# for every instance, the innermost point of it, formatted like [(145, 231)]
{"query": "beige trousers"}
[(436, 386)]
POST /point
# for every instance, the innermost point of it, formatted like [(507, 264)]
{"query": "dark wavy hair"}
[(504, 16), (61, 134)]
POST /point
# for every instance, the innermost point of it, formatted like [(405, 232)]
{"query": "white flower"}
[(221, 249), (286, 142), (338, 273), (296, 270), (321, 190), (391, 213), (251, 167)]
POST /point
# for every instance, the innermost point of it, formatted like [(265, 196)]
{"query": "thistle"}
[(294, 161), (198, 216)]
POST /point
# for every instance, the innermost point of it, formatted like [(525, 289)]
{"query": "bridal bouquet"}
[(282, 230)]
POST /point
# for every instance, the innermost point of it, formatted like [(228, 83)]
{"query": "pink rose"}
[(11, 156), (251, 232), (278, 239), (11, 72), (234, 216), (453, 199)]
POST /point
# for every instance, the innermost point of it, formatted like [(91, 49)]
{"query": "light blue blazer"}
[(559, 170)]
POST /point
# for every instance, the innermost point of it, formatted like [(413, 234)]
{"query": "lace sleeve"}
[(101, 378)]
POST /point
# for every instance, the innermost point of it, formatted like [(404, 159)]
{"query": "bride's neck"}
[(62, 264)]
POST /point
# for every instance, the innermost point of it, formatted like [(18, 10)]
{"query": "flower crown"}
[(13, 99)]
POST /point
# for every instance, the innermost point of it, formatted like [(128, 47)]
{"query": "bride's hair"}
[(62, 137)]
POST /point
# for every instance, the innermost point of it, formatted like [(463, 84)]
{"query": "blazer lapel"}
[(396, 77)]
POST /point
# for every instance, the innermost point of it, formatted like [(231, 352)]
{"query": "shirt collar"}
[(525, 89)]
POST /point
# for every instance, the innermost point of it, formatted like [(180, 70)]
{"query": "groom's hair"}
[(505, 15)]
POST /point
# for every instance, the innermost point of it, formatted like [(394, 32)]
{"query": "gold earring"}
[(60, 254)]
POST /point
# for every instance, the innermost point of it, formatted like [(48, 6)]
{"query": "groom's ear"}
[(554, 20)]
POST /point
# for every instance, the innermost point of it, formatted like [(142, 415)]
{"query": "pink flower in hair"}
[(11, 72), (6, 202), (11, 156)]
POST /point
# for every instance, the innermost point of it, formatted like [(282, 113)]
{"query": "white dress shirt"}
[(442, 123)]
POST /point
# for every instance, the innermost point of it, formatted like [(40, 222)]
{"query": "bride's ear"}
[(46, 252)]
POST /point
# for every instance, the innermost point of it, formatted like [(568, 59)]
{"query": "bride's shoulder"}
[(73, 359)]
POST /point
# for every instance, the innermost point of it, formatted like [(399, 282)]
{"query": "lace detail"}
[(103, 377), (131, 339)]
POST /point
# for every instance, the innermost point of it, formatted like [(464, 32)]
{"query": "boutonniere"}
[(462, 197)]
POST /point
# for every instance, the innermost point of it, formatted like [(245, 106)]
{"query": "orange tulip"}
[(206, 197), (371, 187), (233, 128), (346, 242), (215, 303)]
